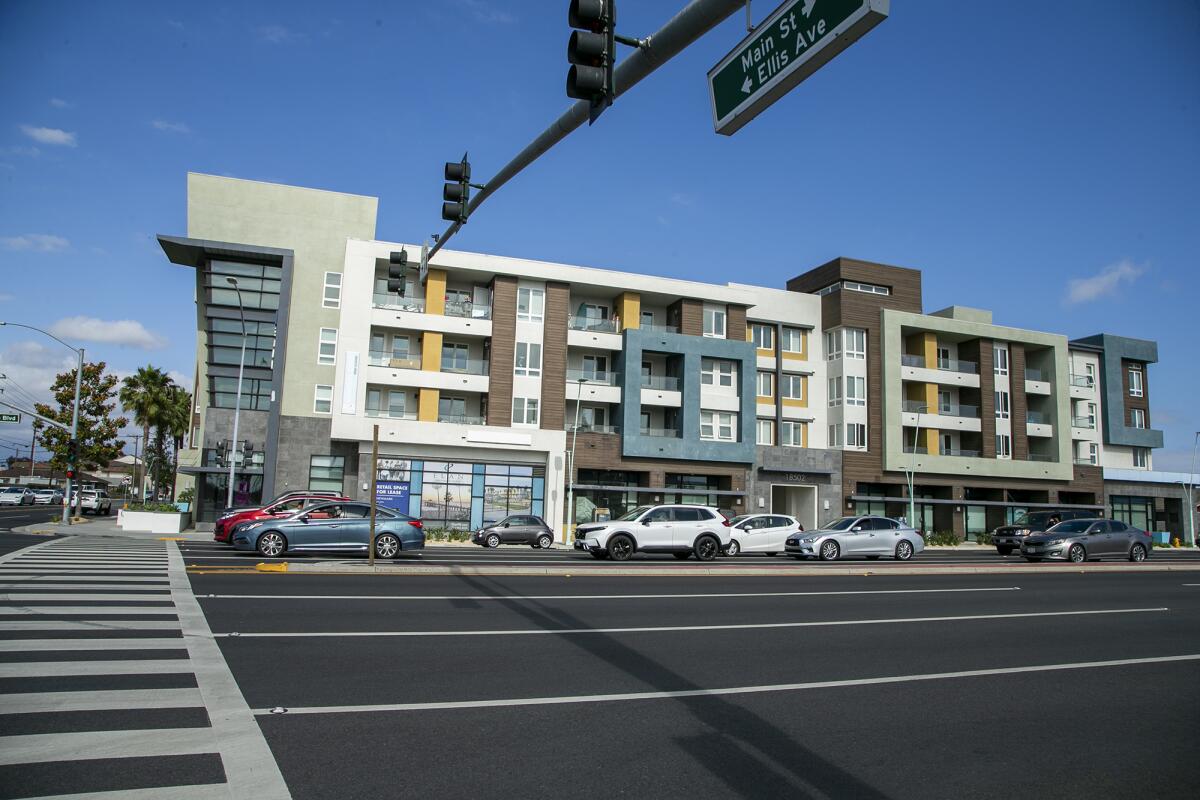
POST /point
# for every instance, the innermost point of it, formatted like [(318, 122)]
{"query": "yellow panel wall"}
[(427, 405), (431, 352), (629, 310), (435, 292)]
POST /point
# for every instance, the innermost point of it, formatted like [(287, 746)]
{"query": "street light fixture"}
[(237, 403), (912, 503), (571, 461), (66, 517), (1191, 497)]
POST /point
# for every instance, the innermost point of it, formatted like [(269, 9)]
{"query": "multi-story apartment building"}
[(488, 376)]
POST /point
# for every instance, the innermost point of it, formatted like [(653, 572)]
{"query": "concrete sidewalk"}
[(104, 526)]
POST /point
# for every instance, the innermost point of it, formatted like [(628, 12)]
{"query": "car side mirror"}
[(505, 525), (303, 517), (645, 522), (744, 527), (856, 529)]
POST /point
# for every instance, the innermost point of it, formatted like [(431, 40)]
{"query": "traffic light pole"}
[(695, 20), (74, 434)]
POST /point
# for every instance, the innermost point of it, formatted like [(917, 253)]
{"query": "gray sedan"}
[(1081, 540), (852, 537)]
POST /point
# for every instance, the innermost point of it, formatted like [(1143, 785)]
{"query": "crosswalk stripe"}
[(55, 611), (150, 590), (111, 700), (21, 577), (90, 625), (18, 597), (40, 669), (39, 645), (206, 791), (41, 747)]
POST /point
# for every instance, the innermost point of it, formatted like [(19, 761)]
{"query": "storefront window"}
[(1137, 512), (461, 495)]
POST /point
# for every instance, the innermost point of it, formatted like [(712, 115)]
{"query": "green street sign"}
[(10, 417), (797, 39)]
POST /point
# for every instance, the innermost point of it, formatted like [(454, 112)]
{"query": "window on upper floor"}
[(792, 433), (595, 368), (647, 318), (792, 340), (718, 426), (327, 346), (856, 343), (1000, 359), (1141, 457), (1002, 408), (531, 304), (454, 357), (765, 384), (765, 430), (332, 298), (833, 345), (791, 387), (1136, 389), (856, 391), (528, 360), (835, 435), (1093, 453), (835, 392), (717, 372), (525, 411), (856, 435), (763, 336), (714, 322), (1003, 446), (869, 288), (323, 399), (1137, 418)]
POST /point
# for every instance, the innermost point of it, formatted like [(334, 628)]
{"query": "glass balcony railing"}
[(957, 365), (385, 359), (912, 361), (385, 413), (1083, 381), (665, 433), (388, 300), (914, 406), (461, 419), (592, 324), (468, 309), (1084, 462), (1083, 422), (585, 428), (1034, 374), (465, 366), (1039, 457), (921, 451), (948, 451), (660, 382), (1037, 418), (592, 376), (659, 328)]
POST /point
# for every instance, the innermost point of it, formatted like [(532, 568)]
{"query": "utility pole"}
[(37, 426), (374, 493)]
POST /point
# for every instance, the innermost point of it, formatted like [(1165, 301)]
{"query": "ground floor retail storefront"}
[(1153, 501)]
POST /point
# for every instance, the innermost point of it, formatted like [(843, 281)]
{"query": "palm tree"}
[(177, 420), (144, 395)]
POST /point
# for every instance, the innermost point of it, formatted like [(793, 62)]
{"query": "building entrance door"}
[(796, 501)]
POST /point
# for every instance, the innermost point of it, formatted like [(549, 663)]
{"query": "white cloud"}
[(173, 127), (179, 379), (485, 13), (29, 369), (58, 102), (682, 199), (41, 242), (123, 332), (53, 136), (279, 34), (1103, 283)]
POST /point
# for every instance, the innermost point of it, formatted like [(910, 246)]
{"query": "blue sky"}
[(1042, 164)]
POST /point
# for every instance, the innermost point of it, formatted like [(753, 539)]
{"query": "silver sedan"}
[(853, 537), (1082, 540)]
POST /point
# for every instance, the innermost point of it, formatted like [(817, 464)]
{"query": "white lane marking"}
[(687, 628), (205, 791), (734, 690), (715, 596), (136, 643), (54, 611), (249, 764), (38, 669), (115, 699), (24, 597), (90, 625), (42, 747)]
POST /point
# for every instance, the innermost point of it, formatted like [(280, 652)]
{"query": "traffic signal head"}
[(72, 451), (457, 191), (592, 53), (397, 270), (70, 474)]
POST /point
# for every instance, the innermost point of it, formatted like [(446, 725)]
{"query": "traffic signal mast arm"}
[(36, 416), (695, 20)]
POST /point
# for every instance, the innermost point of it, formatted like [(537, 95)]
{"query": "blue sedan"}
[(343, 527)]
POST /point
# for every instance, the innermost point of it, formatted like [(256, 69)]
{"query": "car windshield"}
[(1036, 518), (11, 490), (632, 515), (1074, 526), (839, 524)]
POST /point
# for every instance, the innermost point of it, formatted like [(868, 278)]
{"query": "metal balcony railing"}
[(384, 413), (592, 324), (468, 309), (465, 366), (1083, 422), (385, 300), (570, 427), (385, 359), (660, 382), (592, 376), (461, 419), (666, 433), (1084, 381)]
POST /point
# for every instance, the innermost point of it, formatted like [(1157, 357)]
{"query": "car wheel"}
[(272, 544), (707, 548), (734, 548), (1004, 550), (544, 541), (108, 511), (386, 546), (1138, 553), (904, 550), (620, 547), (830, 550), (1077, 553), (682, 556), (492, 540)]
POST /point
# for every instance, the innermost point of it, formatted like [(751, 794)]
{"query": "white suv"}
[(96, 502), (678, 529)]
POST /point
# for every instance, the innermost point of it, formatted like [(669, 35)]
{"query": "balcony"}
[(1084, 462), (465, 366), (959, 453), (920, 451), (385, 359), (946, 371), (1040, 457), (468, 310), (1087, 423), (1036, 381), (665, 383), (1036, 418), (572, 428), (592, 324), (592, 376), (1032, 374), (945, 418), (662, 433), (1083, 381), (461, 419), (913, 407), (384, 413), (385, 300), (660, 328)]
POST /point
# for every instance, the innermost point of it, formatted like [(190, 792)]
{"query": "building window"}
[(454, 357), (397, 404), (714, 322), (1090, 375), (401, 347), (856, 343), (835, 392), (856, 391), (1003, 446), (1002, 410), (943, 358), (766, 385), (595, 368), (647, 319), (333, 290), (766, 431), (835, 435), (1000, 359), (717, 372), (1141, 458), (833, 345), (791, 387), (1091, 415), (1135, 382), (531, 304), (323, 399), (1093, 453), (256, 394), (792, 340), (1137, 417), (452, 409), (327, 348), (869, 288), (763, 336), (856, 435), (325, 473), (528, 359), (718, 426), (525, 411), (791, 434)]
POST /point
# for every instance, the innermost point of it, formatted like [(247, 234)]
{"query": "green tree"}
[(98, 428), (177, 419), (144, 395), (158, 461)]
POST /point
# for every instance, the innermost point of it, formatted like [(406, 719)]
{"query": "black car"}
[(1009, 537), (516, 529)]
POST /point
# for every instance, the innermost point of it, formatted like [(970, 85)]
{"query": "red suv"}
[(283, 507)]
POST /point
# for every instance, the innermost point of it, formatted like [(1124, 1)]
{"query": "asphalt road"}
[(17, 516)]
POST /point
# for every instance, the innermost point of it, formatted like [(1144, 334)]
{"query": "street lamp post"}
[(571, 461), (912, 503), (237, 403), (1191, 497), (66, 518)]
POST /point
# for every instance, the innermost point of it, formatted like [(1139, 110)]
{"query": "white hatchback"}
[(681, 530), (761, 533)]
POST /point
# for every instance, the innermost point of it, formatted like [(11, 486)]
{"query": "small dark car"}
[(1009, 537), (516, 529)]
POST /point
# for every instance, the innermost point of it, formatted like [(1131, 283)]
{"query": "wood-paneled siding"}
[(504, 339), (1019, 403), (554, 356)]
